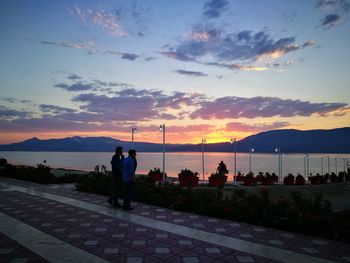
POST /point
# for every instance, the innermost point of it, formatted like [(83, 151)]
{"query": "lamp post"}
[(322, 166), (234, 142), (328, 164), (306, 165), (251, 150), (162, 128), (336, 166), (133, 130), (203, 141), (280, 175)]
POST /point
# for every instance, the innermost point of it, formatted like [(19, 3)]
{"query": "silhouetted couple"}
[(123, 177), (222, 169)]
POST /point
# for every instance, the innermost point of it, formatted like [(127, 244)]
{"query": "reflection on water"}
[(292, 163)]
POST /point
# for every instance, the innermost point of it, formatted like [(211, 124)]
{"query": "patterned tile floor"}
[(117, 240)]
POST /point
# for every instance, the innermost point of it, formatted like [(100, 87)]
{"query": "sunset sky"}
[(214, 69)]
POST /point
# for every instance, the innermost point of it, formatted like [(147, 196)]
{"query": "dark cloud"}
[(75, 87), (238, 107), (330, 21), (73, 77), (239, 46), (55, 109), (191, 73), (7, 113), (335, 12), (214, 8), (129, 56), (309, 43)]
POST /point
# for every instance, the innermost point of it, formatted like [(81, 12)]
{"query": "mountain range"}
[(289, 141)]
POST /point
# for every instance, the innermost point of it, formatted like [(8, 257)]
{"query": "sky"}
[(213, 69)]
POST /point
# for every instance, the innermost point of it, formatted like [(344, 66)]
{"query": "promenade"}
[(56, 223)]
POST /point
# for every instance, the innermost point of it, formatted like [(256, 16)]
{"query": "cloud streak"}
[(191, 73), (239, 107)]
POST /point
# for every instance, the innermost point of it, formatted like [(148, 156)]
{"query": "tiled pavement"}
[(117, 239)]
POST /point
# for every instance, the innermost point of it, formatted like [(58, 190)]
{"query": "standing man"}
[(117, 175), (129, 178)]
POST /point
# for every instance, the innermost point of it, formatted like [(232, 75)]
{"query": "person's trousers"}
[(128, 193), (117, 188)]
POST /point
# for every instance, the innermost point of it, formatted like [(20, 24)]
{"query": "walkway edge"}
[(42, 244)]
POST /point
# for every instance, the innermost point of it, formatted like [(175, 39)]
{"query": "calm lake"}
[(292, 163)]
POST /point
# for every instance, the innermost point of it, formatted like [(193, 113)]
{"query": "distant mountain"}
[(289, 141)]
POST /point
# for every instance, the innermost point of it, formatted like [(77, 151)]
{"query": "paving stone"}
[(162, 250), (160, 210), (58, 230), (100, 229), (94, 216), (178, 221), (213, 220), (123, 225), (176, 213), (74, 236), (72, 220), (212, 250), (190, 260), (185, 242), (161, 217), (276, 242), (161, 235), (246, 235), (146, 206), (111, 251), (220, 230), (193, 217), (310, 250), (319, 242), (259, 229), (286, 235), (141, 229), (46, 224), (4, 251), (91, 243), (118, 235), (244, 259), (85, 224), (145, 213), (198, 225), (134, 260), (235, 224), (108, 220), (138, 242)]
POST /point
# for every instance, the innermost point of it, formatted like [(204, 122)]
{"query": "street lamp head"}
[(204, 140), (276, 150), (134, 129), (251, 149), (232, 140), (161, 127)]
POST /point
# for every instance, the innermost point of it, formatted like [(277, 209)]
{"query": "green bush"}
[(40, 174)]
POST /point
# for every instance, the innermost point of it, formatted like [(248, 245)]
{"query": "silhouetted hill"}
[(290, 141)]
